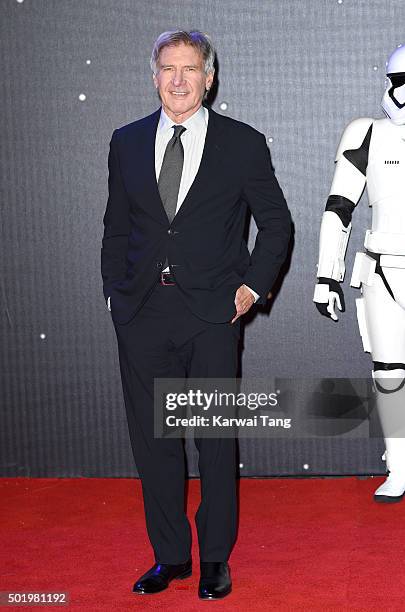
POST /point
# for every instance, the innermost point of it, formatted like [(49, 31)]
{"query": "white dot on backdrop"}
[(400, 45), (42, 336), (20, 1), (88, 61), (375, 68), (82, 97), (223, 105), (340, 1), (241, 465), (270, 139), (305, 466)]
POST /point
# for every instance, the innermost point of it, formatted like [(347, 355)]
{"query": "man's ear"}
[(155, 81), (209, 80)]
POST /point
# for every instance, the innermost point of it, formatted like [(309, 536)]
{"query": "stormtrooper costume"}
[(372, 153)]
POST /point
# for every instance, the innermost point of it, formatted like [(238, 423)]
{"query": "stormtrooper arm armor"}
[(347, 187), (333, 239)]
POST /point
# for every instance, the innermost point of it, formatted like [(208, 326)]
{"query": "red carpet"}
[(304, 544)]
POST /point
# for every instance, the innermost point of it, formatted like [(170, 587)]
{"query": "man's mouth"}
[(179, 93)]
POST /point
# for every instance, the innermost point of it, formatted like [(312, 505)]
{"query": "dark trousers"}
[(165, 340)]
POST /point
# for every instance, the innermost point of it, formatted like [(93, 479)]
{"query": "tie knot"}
[(178, 130)]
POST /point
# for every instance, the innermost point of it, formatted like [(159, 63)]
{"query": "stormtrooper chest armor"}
[(385, 181)]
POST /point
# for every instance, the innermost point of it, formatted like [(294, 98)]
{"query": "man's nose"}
[(178, 78)]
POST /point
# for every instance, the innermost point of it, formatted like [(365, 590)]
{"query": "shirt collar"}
[(195, 123)]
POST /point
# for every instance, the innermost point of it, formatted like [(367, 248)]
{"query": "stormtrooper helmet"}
[(393, 102)]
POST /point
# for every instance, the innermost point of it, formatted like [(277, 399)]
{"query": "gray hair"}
[(200, 41)]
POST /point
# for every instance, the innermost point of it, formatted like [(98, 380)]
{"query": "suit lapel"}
[(208, 166), (146, 166)]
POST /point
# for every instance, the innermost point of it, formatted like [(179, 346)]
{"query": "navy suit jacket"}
[(205, 241)]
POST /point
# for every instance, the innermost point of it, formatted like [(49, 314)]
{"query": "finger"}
[(240, 313), (246, 303), (331, 308), (339, 305), (332, 315)]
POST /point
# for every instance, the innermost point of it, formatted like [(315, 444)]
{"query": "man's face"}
[(181, 81)]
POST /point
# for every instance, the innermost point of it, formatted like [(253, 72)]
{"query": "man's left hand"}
[(244, 299)]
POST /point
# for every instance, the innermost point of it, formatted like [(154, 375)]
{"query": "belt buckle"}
[(162, 279)]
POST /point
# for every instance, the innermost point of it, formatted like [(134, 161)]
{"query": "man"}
[(178, 276)]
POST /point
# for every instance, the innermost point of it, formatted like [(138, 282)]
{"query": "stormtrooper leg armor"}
[(381, 315), (389, 384)]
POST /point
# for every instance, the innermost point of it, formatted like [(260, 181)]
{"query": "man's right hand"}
[(328, 295)]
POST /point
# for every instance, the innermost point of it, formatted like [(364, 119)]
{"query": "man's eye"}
[(190, 69)]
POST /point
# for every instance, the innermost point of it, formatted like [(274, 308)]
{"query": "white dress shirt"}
[(193, 140)]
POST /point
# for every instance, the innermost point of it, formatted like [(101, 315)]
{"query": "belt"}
[(167, 279)]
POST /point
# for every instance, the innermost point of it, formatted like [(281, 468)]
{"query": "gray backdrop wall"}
[(72, 71)]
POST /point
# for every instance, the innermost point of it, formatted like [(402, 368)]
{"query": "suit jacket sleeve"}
[(269, 209), (116, 224)]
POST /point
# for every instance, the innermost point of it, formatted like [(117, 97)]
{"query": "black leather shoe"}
[(159, 576), (215, 581)]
